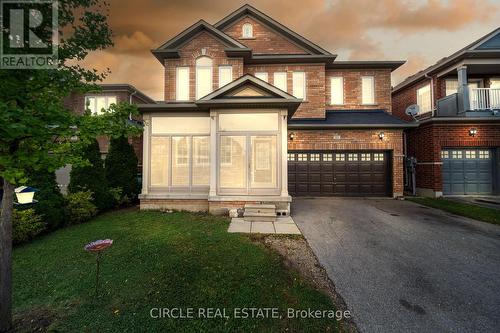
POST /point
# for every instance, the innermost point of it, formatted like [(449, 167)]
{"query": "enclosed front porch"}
[(225, 150)]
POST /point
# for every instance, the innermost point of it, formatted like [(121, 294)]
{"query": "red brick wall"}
[(188, 55), (314, 105), (404, 98), (355, 140), (352, 89), (265, 39), (425, 143)]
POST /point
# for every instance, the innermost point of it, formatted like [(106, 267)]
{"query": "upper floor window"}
[(262, 75), (203, 76), (182, 84), (368, 90), (247, 30), (451, 86), (225, 75), (280, 80), (424, 98), (299, 85), (96, 104), (337, 90)]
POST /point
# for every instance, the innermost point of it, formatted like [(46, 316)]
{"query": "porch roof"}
[(374, 118)]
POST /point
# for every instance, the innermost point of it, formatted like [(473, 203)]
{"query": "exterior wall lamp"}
[(291, 136), (381, 135), (472, 131)]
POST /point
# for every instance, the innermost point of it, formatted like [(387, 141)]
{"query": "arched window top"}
[(203, 62), (247, 30)]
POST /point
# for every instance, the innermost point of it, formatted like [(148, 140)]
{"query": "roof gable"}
[(170, 49), (248, 86), (484, 46), (491, 43), (248, 10)]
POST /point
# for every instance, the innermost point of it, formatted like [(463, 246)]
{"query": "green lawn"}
[(484, 214), (158, 260)]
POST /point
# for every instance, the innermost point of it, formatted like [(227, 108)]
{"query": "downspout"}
[(130, 102), (432, 92)]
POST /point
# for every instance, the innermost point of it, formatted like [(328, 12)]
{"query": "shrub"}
[(92, 178), (121, 168), (119, 198), (26, 224), (80, 207), (50, 205)]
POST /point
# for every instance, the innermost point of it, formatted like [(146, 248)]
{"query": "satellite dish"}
[(412, 110)]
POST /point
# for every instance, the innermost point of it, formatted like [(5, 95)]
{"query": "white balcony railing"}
[(484, 98)]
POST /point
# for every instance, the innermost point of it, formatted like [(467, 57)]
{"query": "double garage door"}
[(339, 173), (467, 171)]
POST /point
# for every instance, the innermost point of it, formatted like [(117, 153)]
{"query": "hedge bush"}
[(26, 224), (92, 178), (51, 202), (80, 207), (121, 169)]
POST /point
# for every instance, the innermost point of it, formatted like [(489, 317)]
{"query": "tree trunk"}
[(6, 257)]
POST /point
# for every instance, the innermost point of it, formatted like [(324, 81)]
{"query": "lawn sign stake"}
[(97, 247)]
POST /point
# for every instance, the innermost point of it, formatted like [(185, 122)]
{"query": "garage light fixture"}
[(291, 136), (472, 131), (381, 135)]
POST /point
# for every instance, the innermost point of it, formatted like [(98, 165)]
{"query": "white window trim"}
[(106, 97), (341, 91), (373, 102), (304, 98), (221, 67), (177, 98)]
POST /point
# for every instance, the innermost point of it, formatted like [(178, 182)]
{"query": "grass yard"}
[(157, 260), (484, 214)]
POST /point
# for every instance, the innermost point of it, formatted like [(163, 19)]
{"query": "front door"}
[(248, 162)]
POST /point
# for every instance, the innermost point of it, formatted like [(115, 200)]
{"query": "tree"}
[(50, 205), (92, 177), (121, 167), (37, 132)]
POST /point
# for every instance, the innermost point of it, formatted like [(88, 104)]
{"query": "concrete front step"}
[(259, 218), (258, 210)]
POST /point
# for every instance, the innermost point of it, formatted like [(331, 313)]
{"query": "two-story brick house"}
[(457, 142), (256, 113)]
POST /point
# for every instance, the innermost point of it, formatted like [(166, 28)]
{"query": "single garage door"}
[(339, 173), (467, 171)]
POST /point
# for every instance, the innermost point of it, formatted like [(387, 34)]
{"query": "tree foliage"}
[(121, 167), (91, 177)]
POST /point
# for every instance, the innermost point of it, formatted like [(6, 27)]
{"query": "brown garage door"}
[(339, 173)]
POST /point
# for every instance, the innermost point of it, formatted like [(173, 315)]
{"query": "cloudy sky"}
[(419, 31)]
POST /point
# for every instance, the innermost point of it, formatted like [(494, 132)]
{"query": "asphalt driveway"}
[(401, 266)]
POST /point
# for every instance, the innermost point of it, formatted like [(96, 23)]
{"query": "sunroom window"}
[(180, 153)]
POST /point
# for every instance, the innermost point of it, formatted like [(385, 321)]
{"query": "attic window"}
[(247, 30)]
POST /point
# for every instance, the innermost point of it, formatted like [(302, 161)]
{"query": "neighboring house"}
[(457, 143), (256, 113), (95, 102)]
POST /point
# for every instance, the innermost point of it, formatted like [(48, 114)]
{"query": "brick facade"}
[(265, 40), (355, 140), (352, 89)]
